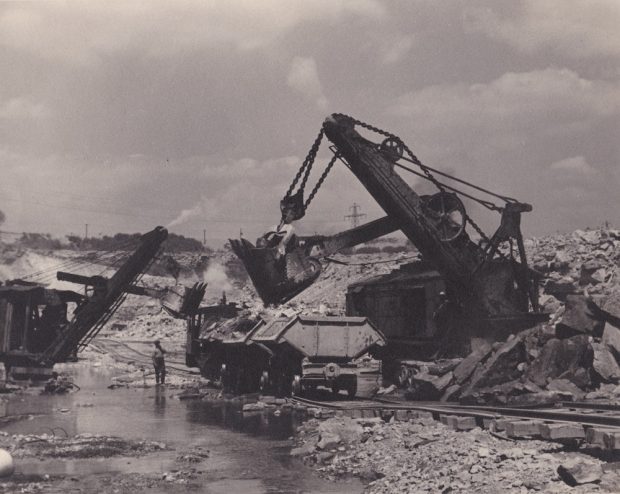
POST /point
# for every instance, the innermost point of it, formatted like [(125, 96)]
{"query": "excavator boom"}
[(483, 280), (108, 294)]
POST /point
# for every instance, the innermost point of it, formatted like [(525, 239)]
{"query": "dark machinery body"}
[(463, 288), (35, 332), (487, 281)]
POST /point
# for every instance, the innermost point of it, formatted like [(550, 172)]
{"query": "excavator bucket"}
[(186, 303), (277, 279)]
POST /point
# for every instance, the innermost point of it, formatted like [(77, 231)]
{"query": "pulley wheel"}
[(448, 213), (393, 147)]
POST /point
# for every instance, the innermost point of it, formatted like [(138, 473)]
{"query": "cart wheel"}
[(352, 389), (296, 386), (264, 381)]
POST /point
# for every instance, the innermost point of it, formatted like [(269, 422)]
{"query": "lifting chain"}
[(321, 180), (389, 135), (307, 165), (414, 159), (311, 157), (483, 236)]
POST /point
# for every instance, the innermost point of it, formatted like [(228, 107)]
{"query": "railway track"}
[(595, 423)]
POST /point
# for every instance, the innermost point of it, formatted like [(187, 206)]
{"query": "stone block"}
[(595, 436), (611, 440), (562, 431), (461, 423), (425, 416), (487, 423), (500, 424), (355, 414), (523, 428), (402, 415)]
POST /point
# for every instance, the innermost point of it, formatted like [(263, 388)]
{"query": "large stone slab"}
[(566, 386), (577, 319), (567, 358), (578, 472), (425, 386), (559, 432), (605, 364), (468, 364), (611, 339), (501, 366)]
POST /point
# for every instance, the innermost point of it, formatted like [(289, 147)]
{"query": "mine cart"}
[(314, 351)]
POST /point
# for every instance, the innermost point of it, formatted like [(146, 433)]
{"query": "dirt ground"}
[(388, 457), (419, 456)]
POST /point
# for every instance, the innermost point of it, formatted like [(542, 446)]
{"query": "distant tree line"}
[(120, 241)]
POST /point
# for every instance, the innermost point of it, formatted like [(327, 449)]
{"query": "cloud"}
[(93, 30), (574, 28), (252, 169), (397, 50), (551, 98), (577, 165), (23, 108), (304, 78)]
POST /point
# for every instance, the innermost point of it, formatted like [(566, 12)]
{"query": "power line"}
[(355, 215), (158, 217)]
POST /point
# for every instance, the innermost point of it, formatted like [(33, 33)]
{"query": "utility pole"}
[(355, 215), (85, 231), (204, 237)]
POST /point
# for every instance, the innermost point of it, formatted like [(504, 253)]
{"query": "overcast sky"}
[(196, 115)]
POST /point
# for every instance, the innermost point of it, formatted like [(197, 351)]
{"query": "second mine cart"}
[(312, 351)]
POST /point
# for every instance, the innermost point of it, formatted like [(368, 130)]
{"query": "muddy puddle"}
[(245, 454)]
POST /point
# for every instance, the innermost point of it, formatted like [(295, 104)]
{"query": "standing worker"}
[(159, 363)]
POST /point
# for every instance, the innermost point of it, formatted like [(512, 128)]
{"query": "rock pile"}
[(418, 456), (584, 259), (576, 357)]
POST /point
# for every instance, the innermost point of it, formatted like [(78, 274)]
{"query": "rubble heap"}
[(423, 456), (575, 357), (582, 260)]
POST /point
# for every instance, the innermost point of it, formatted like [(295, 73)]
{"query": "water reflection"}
[(253, 458), (159, 403), (278, 426)]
